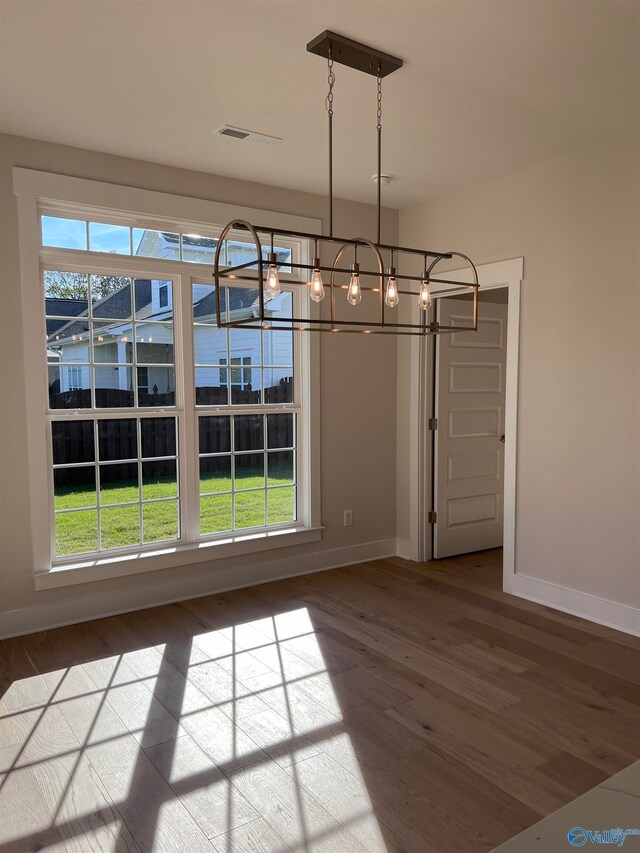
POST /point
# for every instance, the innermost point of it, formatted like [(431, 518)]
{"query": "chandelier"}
[(383, 286)]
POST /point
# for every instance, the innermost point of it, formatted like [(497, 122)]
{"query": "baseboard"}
[(612, 614), (216, 579)]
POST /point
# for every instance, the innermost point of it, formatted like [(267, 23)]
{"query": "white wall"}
[(576, 221), (358, 475)]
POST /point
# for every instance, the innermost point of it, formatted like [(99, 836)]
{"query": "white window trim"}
[(36, 191)]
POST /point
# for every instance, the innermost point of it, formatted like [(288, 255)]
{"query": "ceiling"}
[(489, 86)]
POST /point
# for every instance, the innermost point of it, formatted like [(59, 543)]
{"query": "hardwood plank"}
[(414, 610), (612, 657), (421, 659), (224, 692), (80, 808), (278, 737), (310, 703), (461, 579), (44, 734), (524, 783), (550, 627), (292, 812), (437, 720), (609, 759), (25, 822), (364, 687), (15, 664), (202, 788), (222, 740), (254, 837), (486, 654), (574, 774), (66, 646), (153, 814), (553, 658), (344, 795)]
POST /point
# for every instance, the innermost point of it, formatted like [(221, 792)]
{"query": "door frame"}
[(509, 274)]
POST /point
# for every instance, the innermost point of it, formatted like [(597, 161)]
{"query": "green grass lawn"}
[(76, 532)]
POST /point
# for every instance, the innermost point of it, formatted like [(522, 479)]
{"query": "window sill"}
[(167, 557)]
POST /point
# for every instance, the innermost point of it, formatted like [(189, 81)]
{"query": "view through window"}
[(136, 389)]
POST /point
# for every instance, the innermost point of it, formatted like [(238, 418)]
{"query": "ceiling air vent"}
[(247, 135)]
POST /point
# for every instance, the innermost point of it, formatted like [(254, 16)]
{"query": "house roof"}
[(237, 298), (62, 308), (114, 310), (115, 306)]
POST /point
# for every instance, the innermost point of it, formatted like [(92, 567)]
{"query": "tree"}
[(74, 285)]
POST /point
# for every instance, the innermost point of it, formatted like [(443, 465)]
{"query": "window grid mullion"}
[(139, 468), (96, 457), (189, 464), (232, 443)]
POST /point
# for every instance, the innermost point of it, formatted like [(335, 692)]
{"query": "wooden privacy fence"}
[(213, 395), (73, 441), (106, 398), (116, 398)]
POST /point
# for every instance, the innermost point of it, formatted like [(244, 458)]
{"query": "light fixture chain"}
[(379, 169), (331, 79)]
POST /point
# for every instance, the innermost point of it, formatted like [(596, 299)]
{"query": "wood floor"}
[(388, 706)]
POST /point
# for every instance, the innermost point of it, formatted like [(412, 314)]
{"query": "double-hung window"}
[(163, 429)]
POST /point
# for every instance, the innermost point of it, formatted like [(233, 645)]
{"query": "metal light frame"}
[(337, 48)]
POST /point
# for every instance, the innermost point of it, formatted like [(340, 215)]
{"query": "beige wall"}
[(576, 221), (358, 469)]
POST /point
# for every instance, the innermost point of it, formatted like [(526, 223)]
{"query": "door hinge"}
[(433, 423), (432, 517)]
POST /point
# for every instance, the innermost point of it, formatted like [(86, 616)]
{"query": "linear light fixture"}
[(388, 288)]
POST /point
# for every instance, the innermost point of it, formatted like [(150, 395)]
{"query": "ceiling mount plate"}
[(354, 54)]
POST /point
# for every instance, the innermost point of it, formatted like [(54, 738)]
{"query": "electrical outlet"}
[(348, 517)]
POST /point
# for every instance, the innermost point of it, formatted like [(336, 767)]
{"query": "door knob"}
[(502, 438)]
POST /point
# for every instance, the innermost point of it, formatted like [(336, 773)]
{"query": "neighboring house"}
[(113, 333), (201, 250)]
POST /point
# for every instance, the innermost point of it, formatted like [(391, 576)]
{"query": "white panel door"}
[(469, 453)]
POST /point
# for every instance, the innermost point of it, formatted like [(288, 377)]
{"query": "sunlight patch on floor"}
[(230, 740)]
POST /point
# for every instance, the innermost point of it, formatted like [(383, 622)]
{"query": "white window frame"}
[(45, 193), (243, 364)]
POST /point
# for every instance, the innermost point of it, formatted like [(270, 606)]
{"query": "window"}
[(240, 377), (107, 324), (84, 235), (115, 483), (247, 471), (247, 459), (74, 378), (141, 381)]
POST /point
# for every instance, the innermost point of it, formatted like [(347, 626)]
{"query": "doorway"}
[(418, 545), (468, 425)]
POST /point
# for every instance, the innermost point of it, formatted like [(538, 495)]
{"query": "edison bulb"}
[(354, 294), (273, 282), (316, 286), (425, 298), (391, 296)]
